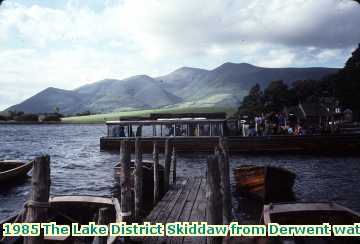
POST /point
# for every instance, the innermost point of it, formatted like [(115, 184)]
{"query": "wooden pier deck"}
[(184, 202)]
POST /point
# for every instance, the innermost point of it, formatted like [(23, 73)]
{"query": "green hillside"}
[(101, 118)]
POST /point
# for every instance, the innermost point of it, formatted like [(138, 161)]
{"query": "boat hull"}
[(11, 171), (311, 214), (72, 209), (335, 144), (266, 183)]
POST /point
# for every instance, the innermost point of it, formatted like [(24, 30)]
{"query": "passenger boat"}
[(201, 132), (65, 210), (311, 214), (266, 182), (12, 170)]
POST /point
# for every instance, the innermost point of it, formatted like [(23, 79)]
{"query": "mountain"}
[(48, 99), (223, 86), (231, 81), (138, 92)]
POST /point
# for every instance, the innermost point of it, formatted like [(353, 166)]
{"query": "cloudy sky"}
[(68, 43)]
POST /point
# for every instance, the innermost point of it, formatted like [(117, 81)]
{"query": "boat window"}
[(204, 130), (117, 131), (215, 130)]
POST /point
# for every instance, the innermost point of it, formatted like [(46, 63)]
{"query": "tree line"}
[(337, 90)]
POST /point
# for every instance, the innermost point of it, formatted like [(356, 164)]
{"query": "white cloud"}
[(77, 44)]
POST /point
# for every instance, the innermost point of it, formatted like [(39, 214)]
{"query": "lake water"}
[(78, 167)]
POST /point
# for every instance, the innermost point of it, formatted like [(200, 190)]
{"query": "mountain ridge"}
[(224, 85)]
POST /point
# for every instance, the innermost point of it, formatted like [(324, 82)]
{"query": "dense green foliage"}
[(347, 82), (340, 89)]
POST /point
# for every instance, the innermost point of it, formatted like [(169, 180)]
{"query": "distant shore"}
[(102, 118), (12, 122)]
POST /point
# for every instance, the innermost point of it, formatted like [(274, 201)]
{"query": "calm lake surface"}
[(78, 167)]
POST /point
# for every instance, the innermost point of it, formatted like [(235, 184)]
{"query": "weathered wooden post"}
[(167, 162), (138, 181), (156, 173), (173, 162), (214, 199), (37, 206), (104, 219), (125, 182), (224, 167)]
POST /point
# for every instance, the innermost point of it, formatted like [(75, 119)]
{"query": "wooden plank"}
[(185, 201), (198, 213), (187, 208), (176, 210), (163, 208), (165, 200)]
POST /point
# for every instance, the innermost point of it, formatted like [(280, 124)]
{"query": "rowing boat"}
[(65, 210), (11, 170), (265, 182), (311, 214)]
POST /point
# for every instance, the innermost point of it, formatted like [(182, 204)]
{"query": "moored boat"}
[(311, 214), (148, 178), (265, 182), (12, 170), (201, 132), (65, 210)]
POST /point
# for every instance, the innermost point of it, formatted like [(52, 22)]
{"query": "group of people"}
[(119, 131), (276, 125)]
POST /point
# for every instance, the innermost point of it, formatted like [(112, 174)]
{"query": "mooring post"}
[(104, 219), (156, 173), (167, 162), (173, 162), (37, 206), (224, 166), (214, 204), (138, 181), (125, 181)]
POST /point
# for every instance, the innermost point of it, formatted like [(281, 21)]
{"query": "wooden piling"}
[(173, 163), (37, 206), (224, 167), (138, 180), (214, 215), (167, 164), (104, 219), (125, 182), (156, 173)]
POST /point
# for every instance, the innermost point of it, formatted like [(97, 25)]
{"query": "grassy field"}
[(101, 118)]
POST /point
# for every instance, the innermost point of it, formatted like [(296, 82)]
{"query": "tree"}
[(277, 96), (305, 91), (253, 104), (347, 82)]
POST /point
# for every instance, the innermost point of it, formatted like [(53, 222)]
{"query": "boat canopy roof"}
[(167, 122)]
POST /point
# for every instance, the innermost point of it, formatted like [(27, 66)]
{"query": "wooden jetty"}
[(202, 135), (190, 199), (185, 201)]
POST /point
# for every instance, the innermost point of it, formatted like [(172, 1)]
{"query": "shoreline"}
[(47, 123)]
